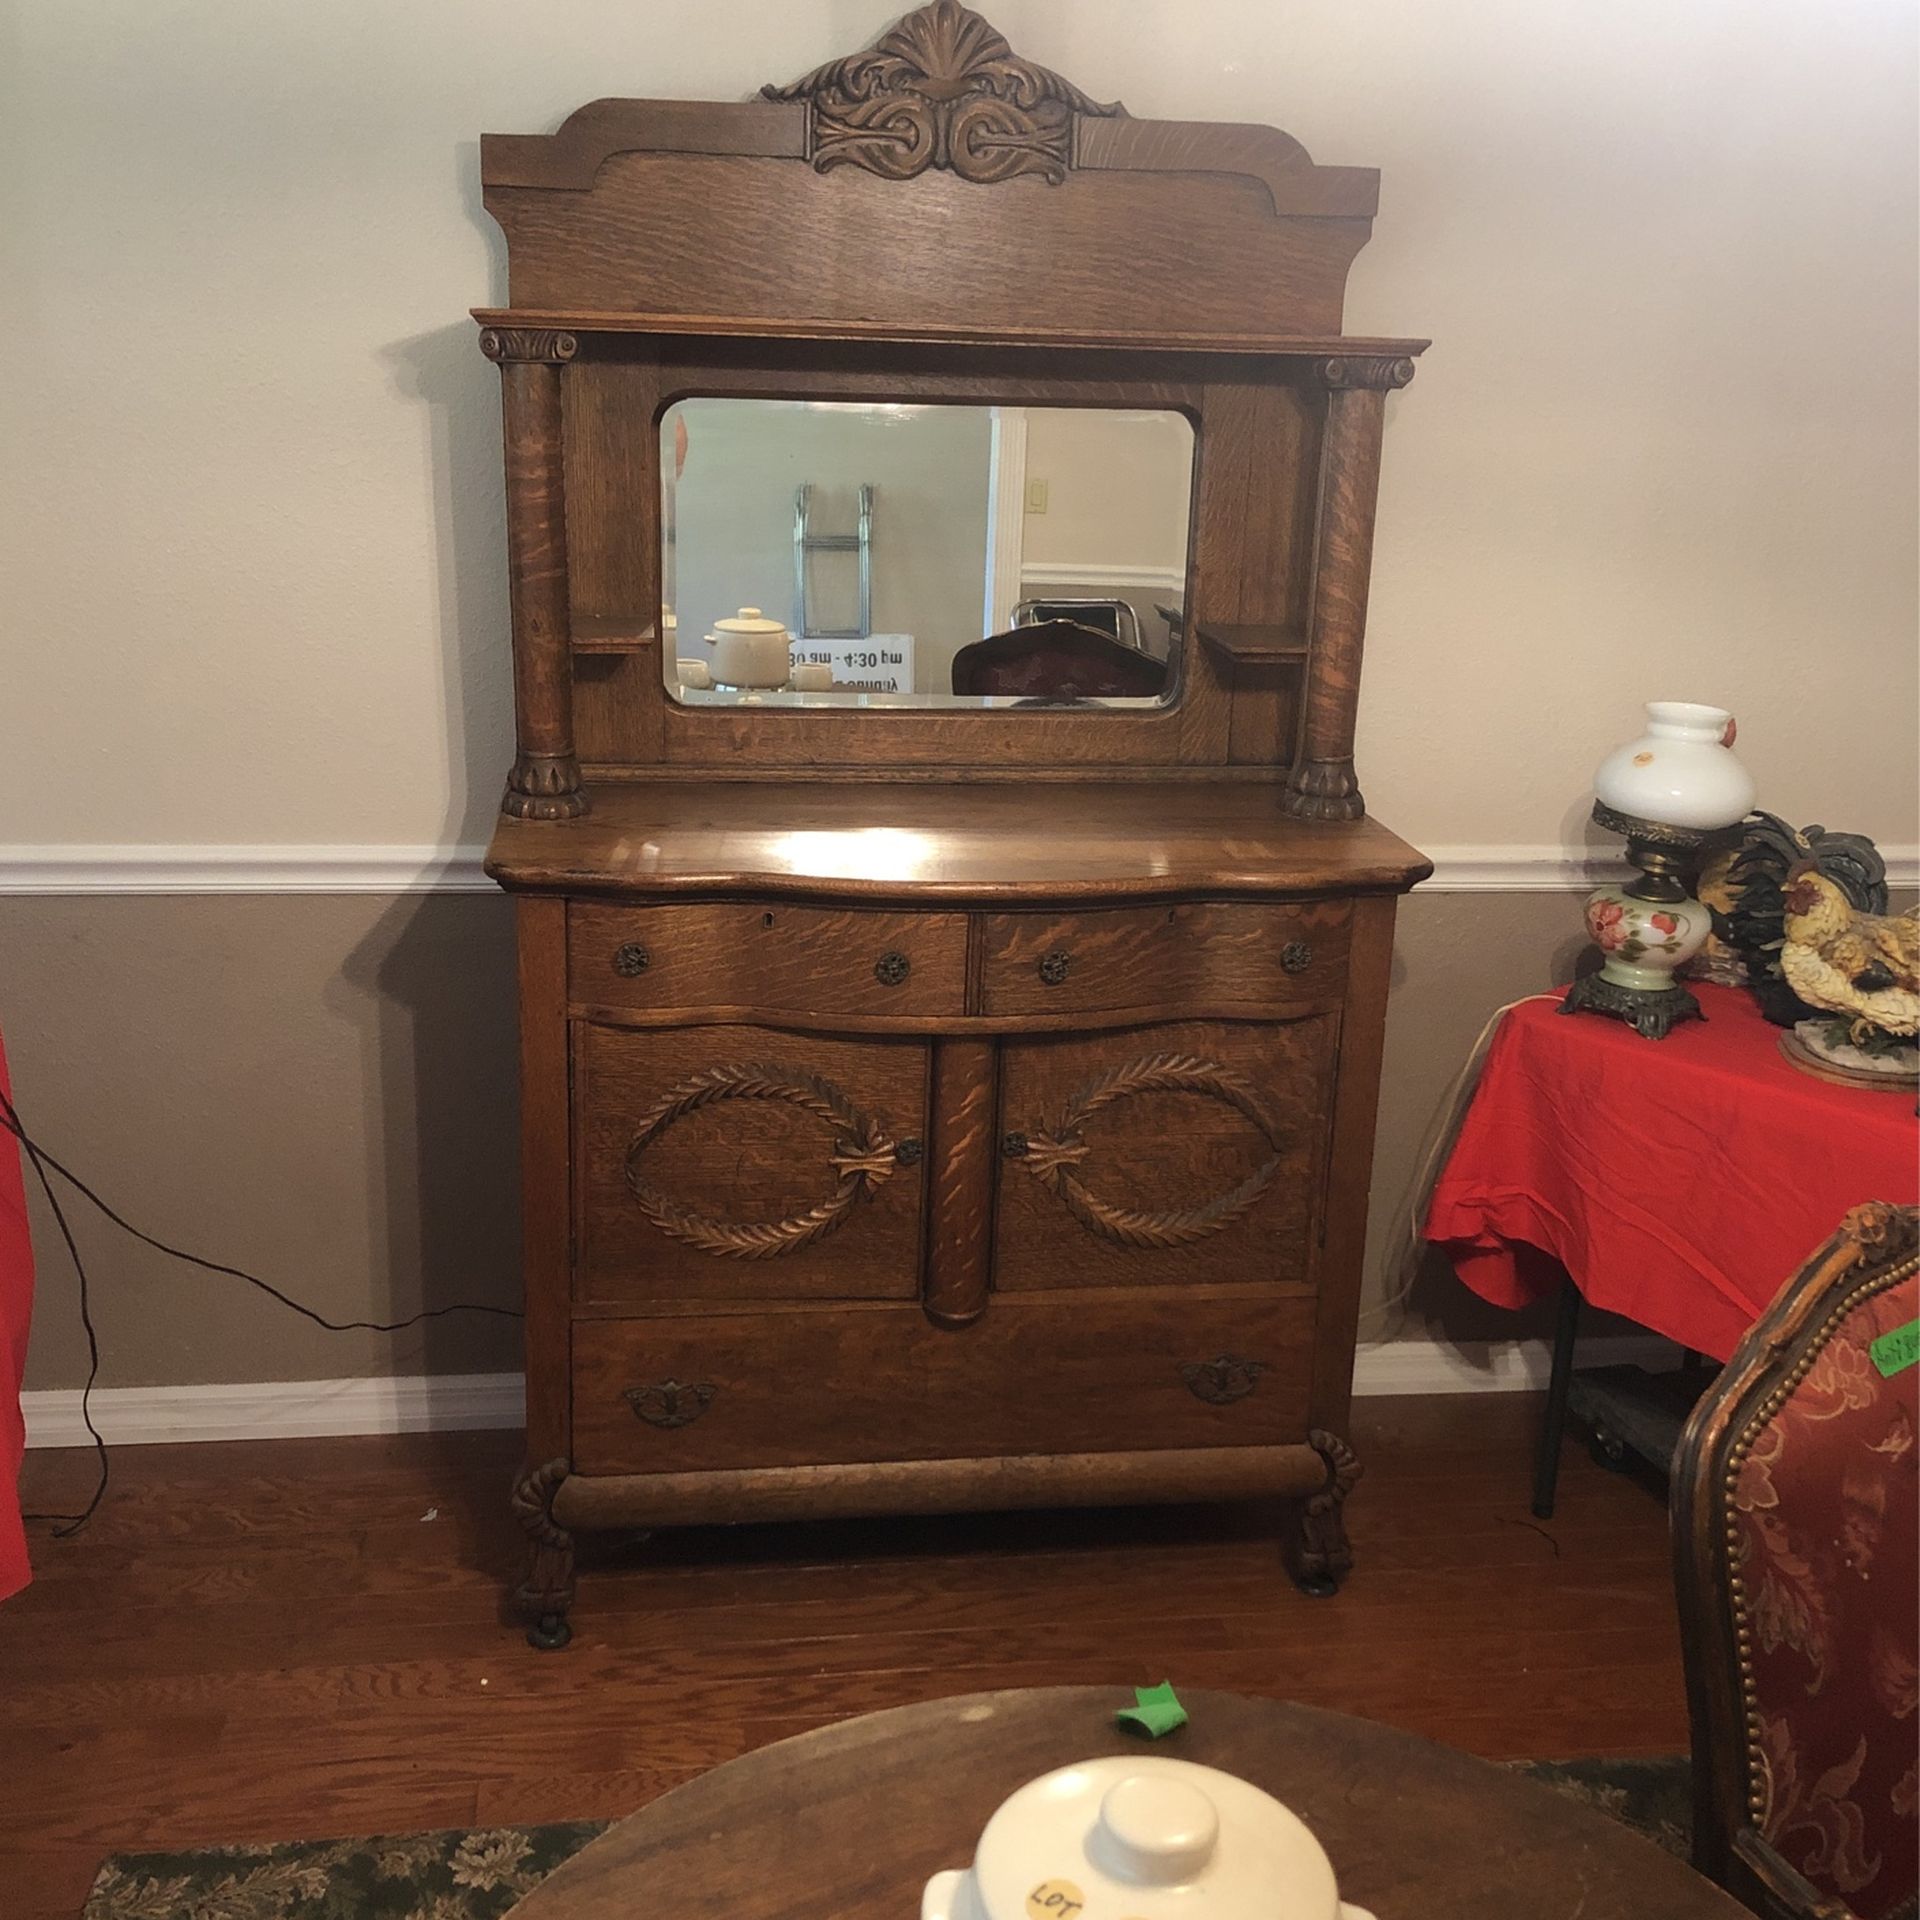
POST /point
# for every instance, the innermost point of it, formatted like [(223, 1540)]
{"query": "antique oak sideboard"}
[(931, 1102)]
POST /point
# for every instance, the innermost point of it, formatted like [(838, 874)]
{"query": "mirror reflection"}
[(845, 554)]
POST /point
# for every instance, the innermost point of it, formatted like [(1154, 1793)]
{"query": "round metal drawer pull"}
[(1296, 956), (631, 959), (908, 1152), (891, 969), (1053, 968), (1014, 1145)]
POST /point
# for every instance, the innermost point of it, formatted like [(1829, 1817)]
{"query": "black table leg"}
[(1553, 1426)]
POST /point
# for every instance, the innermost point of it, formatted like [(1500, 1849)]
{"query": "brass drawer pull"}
[(1296, 956), (891, 969), (631, 959), (1053, 968), (669, 1403), (1221, 1382)]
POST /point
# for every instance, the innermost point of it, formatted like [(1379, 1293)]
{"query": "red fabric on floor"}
[(16, 1310), (1679, 1181)]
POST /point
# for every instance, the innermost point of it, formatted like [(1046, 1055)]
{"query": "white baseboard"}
[(467, 1402), (277, 1409)]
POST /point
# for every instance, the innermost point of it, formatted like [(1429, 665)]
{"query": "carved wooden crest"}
[(943, 89)]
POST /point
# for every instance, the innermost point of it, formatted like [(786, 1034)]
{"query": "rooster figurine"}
[(1862, 967)]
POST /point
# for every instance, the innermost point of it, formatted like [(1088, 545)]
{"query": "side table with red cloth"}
[(16, 1310), (1678, 1181)]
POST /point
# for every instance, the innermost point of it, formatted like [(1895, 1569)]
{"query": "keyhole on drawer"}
[(766, 919)]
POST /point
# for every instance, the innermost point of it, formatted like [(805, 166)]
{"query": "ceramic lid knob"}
[(1156, 1832)]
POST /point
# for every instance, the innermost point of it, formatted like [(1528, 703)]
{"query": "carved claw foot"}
[(1315, 1540), (543, 1598)]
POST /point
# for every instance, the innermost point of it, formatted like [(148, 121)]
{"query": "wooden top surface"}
[(852, 1819), (920, 841)]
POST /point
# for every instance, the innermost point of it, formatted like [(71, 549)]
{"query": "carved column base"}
[(545, 1596), (544, 786), (1322, 790), (1315, 1540)]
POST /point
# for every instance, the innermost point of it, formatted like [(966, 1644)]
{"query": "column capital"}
[(1375, 372), (551, 345)]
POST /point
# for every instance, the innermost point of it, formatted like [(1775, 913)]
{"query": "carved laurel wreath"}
[(1051, 1157), (943, 89), (863, 1158)]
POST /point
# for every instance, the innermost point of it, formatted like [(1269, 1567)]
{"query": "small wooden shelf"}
[(1261, 643), (612, 633), (1106, 338)]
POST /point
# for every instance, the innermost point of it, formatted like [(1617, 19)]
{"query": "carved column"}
[(1321, 785), (545, 781)]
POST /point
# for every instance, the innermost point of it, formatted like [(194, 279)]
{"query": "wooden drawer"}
[(1209, 956), (814, 1387), (739, 1163), (757, 958), (1174, 1154)]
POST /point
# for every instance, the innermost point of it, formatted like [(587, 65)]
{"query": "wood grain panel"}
[(1193, 957), (613, 550), (1173, 1157), (812, 1387), (759, 958), (737, 1165), (711, 234)]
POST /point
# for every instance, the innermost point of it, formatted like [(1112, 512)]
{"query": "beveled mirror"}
[(922, 555)]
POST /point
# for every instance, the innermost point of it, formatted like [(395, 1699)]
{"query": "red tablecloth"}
[(1679, 1181), (16, 1309)]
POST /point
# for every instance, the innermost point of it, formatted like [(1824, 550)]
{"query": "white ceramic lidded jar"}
[(1682, 772), (1141, 1839), (749, 650)]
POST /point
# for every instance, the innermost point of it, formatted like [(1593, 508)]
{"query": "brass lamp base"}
[(1653, 1015)]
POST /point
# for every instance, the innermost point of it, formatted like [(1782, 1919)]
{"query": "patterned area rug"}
[(479, 1875)]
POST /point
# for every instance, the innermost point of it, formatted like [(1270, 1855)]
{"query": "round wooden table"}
[(850, 1820)]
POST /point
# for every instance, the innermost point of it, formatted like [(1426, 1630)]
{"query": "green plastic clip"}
[(1895, 1352), (1155, 1711)]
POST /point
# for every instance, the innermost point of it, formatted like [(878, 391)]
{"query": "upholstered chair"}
[(1796, 1513)]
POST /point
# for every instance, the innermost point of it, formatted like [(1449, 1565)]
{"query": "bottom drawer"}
[(834, 1385)]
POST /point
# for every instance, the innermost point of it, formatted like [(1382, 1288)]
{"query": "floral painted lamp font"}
[(1678, 794)]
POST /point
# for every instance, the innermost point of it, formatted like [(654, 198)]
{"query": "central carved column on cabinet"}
[(545, 781), (960, 1176), (1322, 785)]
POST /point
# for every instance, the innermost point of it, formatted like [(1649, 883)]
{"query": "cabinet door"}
[(735, 1162), (1189, 1152)]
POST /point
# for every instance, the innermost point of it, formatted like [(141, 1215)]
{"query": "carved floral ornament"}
[(942, 89)]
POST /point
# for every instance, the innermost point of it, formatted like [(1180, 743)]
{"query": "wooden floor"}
[(305, 1639)]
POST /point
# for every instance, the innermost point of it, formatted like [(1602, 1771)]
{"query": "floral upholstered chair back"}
[(1797, 1547)]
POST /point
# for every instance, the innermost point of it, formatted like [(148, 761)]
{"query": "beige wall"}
[(322, 1090), (1118, 490), (1663, 446), (250, 533)]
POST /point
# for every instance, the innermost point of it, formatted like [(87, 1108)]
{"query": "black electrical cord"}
[(43, 1164)]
